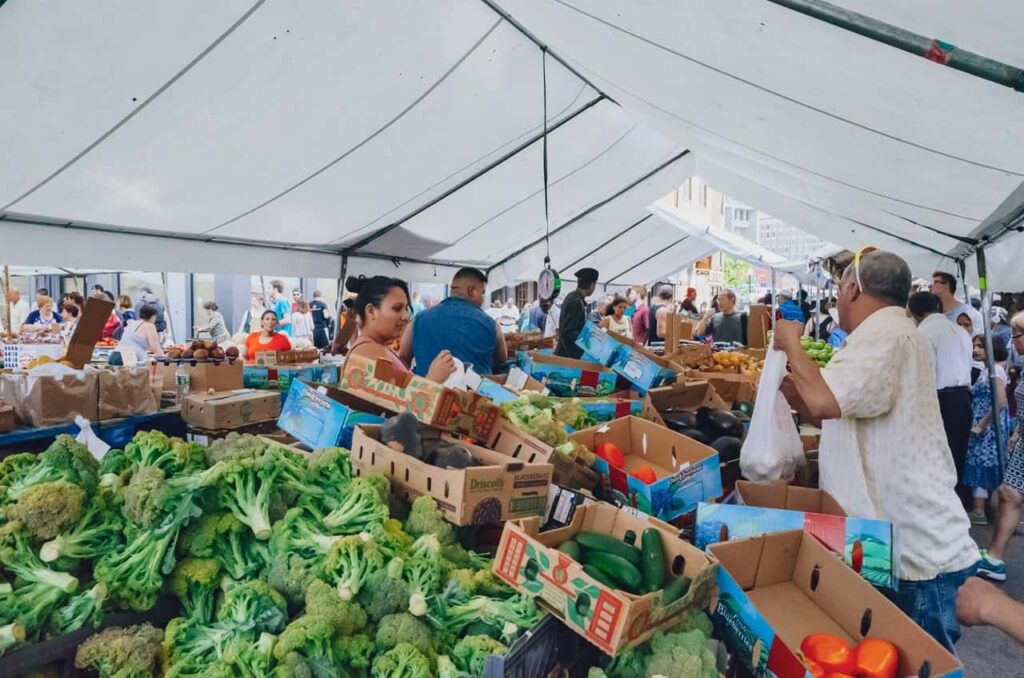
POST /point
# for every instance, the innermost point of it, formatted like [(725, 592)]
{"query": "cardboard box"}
[(776, 589), (600, 411), (320, 416), (687, 471), (529, 561), (95, 314), (867, 546), (731, 387), (219, 376), (684, 396), (281, 378), (293, 357), (499, 389), (598, 345), (678, 328), (759, 322), (567, 378), (230, 409), (18, 356), (41, 400), (125, 392), (501, 489), (689, 354), (6, 418), (379, 383), (640, 367)]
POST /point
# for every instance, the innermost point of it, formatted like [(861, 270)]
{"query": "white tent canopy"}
[(313, 137)]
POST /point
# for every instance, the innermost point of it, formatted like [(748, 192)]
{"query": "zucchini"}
[(675, 590), (596, 541), (596, 573), (653, 554), (618, 569), (571, 549)]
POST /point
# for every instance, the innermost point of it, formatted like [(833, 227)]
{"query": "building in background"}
[(770, 233)]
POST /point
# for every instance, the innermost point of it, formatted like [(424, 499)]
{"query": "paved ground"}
[(988, 652)]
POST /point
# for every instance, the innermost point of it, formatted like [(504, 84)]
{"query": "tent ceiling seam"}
[(368, 139), (596, 206), (557, 118), (641, 263), (466, 182), (783, 96), (610, 240), (138, 109)]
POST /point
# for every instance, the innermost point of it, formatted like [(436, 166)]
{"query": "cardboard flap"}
[(766, 495), (387, 372), (88, 331), (779, 557), (741, 558)]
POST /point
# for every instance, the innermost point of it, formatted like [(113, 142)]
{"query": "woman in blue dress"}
[(982, 467)]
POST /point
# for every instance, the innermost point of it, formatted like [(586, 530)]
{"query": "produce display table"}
[(114, 432)]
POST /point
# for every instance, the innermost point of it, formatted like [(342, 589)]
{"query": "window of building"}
[(202, 291)]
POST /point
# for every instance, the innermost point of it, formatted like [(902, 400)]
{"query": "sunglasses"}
[(856, 262)]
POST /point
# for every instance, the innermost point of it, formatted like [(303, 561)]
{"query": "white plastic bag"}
[(88, 437), (773, 449)]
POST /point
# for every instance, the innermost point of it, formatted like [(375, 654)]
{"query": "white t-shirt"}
[(551, 325), (976, 320), (951, 351), (887, 456)]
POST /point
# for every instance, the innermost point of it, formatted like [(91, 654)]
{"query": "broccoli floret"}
[(142, 496), (253, 605), (130, 651), (630, 663), (446, 667), (322, 600), (66, 459), (423, 573), (312, 639), (13, 468), (349, 562), (392, 541), (11, 635), (486, 583), (402, 661), (195, 581), (359, 509), (170, 455), (402, 627), (83, 608), (47, 509), (381, 483), (223, 537), (292, 666), (97, 532), (329, 468), (681, 655), (241, 658), (300, 531), (470, 653), (385, 592), (426, 518), (114, 462), (291, 574), (189, 646), (135, 574), (246, 488), (355, 652), (511, 615)]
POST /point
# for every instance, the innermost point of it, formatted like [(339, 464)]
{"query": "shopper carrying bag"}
[(772, 450)]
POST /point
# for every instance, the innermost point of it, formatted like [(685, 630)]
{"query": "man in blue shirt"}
[(459, 325), (281, 307)]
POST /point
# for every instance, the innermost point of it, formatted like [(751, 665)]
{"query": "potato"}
[(200, 354)]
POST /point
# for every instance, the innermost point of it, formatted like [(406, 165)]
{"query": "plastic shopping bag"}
[(773, 449), (88, 437)]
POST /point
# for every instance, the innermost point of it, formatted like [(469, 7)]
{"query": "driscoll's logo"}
[(496, 484)]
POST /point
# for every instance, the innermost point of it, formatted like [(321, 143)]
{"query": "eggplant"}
[(728, 448), (679, 420), (744, 406), (703, 416), (403, 432), (742, 416), (452, 456), (697, 434), (723, 423)]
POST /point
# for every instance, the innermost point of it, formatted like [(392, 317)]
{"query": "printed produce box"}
[(687, 396), (292, 357), (775, 590), (600, 411), (598, 345), (583, 573), (230, 409), (567, 378), (280, 378), (652, 469), (640, 367), (18, 356), (504, 388), (203, 377), (320, 416), (500, 489), (866, 545), (379, 383)]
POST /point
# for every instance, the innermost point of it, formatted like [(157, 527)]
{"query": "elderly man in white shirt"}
[(952, 351), (883, 450)]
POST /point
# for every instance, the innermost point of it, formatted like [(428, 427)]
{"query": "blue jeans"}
[(932, 604)]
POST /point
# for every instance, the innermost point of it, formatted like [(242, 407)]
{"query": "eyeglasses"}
[(856, 262), (1018, 335)]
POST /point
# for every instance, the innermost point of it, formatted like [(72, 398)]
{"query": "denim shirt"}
[(458, 326)]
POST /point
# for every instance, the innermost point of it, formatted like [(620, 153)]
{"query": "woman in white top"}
[(140, 337), (615, 318), (302, 321)]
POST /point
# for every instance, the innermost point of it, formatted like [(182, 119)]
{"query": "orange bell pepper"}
[(840, 675), (876, 658), (829, 651), (645, 474), (611, 453), (814, 667)]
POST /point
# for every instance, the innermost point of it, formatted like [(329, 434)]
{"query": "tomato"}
[(611, 453), (645, 474), (829, 651)]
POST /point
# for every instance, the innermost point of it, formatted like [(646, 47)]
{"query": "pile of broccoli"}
[(684, 651), (285, 565)]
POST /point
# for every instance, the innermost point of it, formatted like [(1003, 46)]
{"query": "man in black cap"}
[(574, 314)]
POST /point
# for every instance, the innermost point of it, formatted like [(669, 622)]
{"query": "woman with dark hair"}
[(615, 317), (382, 306), (140, 337), (267, 338), (69, 321), (981, 470), (215, 325)]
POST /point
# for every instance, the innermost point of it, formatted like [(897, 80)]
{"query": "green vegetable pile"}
[(539, 416), (682, 652), (818, 350), (285, 565)]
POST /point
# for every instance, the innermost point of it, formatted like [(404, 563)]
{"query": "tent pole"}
[(775, 301), (341, 281), (7, 304), (986, 310)]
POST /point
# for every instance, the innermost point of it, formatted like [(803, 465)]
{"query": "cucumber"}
[(600, 576), (653, 554), (596, 541), (571, 549), (675, 590), (618, 569)]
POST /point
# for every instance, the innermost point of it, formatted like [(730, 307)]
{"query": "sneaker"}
[(988, 569), (978, 518)]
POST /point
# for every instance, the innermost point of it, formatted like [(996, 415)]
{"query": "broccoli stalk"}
[(11, 635), (83, 608), (300, 532), (517, 612), (135, 575), (253, 606), (223, 537), (424, 576), (349, 563), (359, 510), (189, 646), (97, 532), (21, 560), (246, 489)]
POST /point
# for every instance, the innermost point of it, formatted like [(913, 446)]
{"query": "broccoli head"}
[(471, 652), (253, 605), (423, 574), (20, 559), (134, 575), (66, 459), (349, 563), (250, 486), (329, 468), (310, 638), (402, 627), (359, 508), (224, 537), (97, 532), (116, 651), (322, 600), (381, 483), (355, 652), (385, 592), (681, 655), (512, 615), (189, 646), (300, 531), (13, 468), (47, 509), (195, 582), (291, 574), (392, 541), (426, 518), (401, 661)]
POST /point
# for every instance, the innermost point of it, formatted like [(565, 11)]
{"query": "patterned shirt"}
[(887, 456)]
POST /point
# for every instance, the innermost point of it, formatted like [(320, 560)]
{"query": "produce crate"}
[(61, 650), (548, 647)]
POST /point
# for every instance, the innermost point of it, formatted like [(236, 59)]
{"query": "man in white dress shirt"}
[(951, 348), (883, 452)]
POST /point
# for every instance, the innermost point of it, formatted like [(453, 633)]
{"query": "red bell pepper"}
[(829, 651), (876, 658)]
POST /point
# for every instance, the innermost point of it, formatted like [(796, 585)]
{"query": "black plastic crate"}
[(548, 645)]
